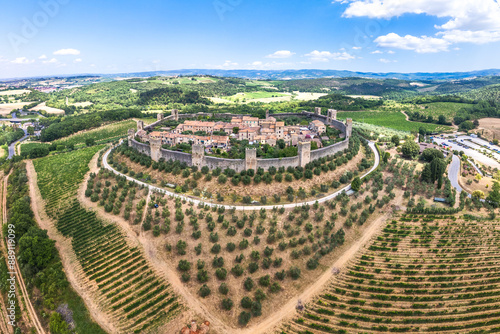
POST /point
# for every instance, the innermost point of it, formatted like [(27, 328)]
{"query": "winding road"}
[(12, 146), (453, 172), (346, 189)]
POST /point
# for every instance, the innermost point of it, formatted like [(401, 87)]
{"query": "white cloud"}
[(422, 44), (2, 59), (258, 65), (42, 57), (67, 52), (356, 47), (22, 60), (466, 21), (387, 61), (281, 54), (376, 52), (391, 52), (324, 56), (51, 61), (77, 60), (229, 63)]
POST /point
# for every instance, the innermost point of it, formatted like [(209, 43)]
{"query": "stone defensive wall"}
[(198, 158)]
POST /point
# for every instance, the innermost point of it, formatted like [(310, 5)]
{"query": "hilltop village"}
[(215, 135)]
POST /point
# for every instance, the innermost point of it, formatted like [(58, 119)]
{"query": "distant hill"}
[(312, 74)]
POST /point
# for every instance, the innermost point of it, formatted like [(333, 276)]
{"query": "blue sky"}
[(50, 37)]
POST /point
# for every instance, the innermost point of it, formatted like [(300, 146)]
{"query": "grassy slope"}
[(448, 109), (100, 135), (393, 120)]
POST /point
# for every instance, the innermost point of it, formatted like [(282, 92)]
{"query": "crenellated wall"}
[(250, 162), (329, 150), (213, 162)]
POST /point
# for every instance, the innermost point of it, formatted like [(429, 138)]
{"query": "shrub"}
[(221, 273), (227, 304), (253, 267), (260, 295), (223, 289), (248, 284), (244, 318), (202, 276), (230, 247), (275, 287), (265, 281), (294, 273), (185, 277), (204, 291), (184, 265), (256, 309), (246, 302), (237, 270)]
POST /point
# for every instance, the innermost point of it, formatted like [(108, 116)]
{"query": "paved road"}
[(347, 189), (12, 147), (15, 119), (453, 172)]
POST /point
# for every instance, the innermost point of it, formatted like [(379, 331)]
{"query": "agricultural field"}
[(27, 147), (49, 110), (390, 119), (249, 96), (6, 108), (276, 186), (101, 135), (448, 109), (426, 274), (134, 296), (240, 264)]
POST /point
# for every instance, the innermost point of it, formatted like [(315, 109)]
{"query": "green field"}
[(27, 147), (393, 120), (136, 297), (253, 96), (100, 135), (448, 109)]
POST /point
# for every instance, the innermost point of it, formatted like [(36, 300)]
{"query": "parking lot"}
[(474, 148)]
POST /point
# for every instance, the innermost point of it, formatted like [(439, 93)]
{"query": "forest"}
[(169, 95)]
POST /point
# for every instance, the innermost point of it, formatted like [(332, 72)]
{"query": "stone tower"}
[(304, 150), (251, 159), (332, 115), (131, 135), (159, 117), (317, 111), (155, 145), (267, 114), (348, 128), (140, 125), (175, 113), (198, 155)]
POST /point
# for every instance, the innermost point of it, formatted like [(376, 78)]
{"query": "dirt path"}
[(63, 245)]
